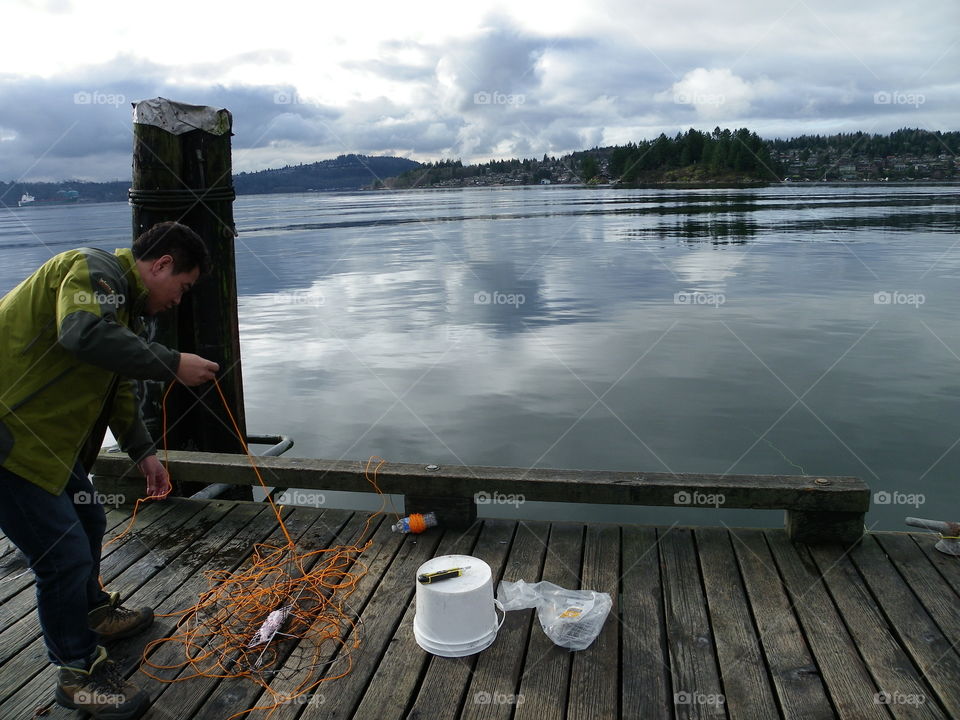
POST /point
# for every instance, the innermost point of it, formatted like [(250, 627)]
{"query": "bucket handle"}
[(499, 604)]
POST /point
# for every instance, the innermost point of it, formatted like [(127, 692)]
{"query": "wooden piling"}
[(182, 172)]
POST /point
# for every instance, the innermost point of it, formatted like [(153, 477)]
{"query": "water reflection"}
[(645, 329)]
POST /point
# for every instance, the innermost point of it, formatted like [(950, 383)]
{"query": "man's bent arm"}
[(126, 423), (88, 328)]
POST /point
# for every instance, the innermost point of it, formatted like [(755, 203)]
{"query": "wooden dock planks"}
[(706, 623)]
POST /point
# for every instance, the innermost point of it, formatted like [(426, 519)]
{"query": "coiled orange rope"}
[(417, 523), (311, 588)]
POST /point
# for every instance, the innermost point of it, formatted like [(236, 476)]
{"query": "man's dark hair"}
[(176, 240)]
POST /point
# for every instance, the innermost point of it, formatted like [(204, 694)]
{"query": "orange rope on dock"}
[(218, 635), (417, 523), (140, 501)]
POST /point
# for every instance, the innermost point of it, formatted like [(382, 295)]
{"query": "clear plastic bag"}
[(571, 618)]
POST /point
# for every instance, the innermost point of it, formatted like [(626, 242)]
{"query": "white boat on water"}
[(61, 197)]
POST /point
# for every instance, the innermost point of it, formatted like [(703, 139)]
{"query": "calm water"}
[(792, 329)]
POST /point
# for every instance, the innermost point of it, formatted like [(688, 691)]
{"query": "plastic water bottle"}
[(419, 524)]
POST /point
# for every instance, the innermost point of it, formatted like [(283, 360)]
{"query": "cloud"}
[(715, 94), (78, 125), (55, 7), (509, 85)]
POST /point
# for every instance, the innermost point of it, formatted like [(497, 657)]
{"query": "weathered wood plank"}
[(645, 673), (396, 678), (492, 691), (458, 513), (801, 695), (697, 692), (947, 565), (791, 492), (850, 686), (595, 675), (886, 661), (934, 653), (5, 545), (824, 525), (544, 684), (746, 684), (937, 596)]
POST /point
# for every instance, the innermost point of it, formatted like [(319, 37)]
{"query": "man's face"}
[(166, 288)]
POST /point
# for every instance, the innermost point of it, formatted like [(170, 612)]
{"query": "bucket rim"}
[(467, 647)]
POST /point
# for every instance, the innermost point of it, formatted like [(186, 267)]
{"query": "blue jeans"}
[(62, 536)]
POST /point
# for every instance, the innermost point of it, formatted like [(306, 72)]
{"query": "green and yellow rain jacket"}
[(70, 352)]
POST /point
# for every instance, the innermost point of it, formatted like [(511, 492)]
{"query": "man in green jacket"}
[(70, 355)]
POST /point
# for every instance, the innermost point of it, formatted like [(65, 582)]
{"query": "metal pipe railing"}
[(280, 444)]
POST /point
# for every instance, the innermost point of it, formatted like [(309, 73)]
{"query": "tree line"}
[(695, 155), (903, 142)]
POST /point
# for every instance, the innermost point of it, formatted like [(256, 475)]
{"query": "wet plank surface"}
[(706, 622)]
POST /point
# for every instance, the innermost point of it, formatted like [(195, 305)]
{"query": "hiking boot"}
[(100, 690), (114, 622)]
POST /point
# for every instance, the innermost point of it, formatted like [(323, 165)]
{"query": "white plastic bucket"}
[(456, 617)]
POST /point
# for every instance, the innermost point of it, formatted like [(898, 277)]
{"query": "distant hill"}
[(347, 172)]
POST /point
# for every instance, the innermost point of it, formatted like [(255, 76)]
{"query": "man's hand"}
[(158, 482), (194, 370)]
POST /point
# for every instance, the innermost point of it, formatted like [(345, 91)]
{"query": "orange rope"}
[(216, 632), (417, 523), (140, 501)]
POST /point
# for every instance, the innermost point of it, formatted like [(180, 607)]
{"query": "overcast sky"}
[(474, 80)]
